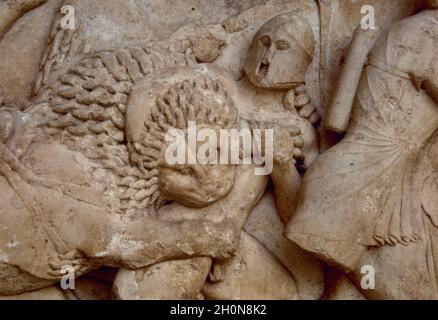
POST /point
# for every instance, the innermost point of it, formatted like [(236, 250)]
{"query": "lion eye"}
[(185, 171), (282, 45), (266, 41)]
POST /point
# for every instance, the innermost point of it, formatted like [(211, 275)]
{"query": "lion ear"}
[(429, 198)]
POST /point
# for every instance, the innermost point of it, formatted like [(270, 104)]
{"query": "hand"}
[(183, 240), (286, 144), (298, 101), (72, 261)]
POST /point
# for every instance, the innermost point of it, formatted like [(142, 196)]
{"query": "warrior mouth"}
[(263, 69)]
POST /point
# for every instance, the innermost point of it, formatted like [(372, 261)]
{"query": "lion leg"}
[(253, 274)]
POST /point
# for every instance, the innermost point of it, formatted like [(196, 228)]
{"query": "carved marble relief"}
[(159, 151)]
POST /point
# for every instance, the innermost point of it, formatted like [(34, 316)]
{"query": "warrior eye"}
[(282, 45), (266, 41), (185, 171)]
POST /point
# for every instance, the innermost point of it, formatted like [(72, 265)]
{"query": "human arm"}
[(338, 115), (214, 232), (286, 146), (287, 182)]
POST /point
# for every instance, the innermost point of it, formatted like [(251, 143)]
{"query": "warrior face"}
[(280, 53)]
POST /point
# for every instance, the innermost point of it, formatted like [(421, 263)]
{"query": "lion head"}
[(155, 108)]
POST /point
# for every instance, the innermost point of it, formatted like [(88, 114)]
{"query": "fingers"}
[(283, 158), (298, 142), (289, 101), (65, 270), (217, 273), (227, 254), (56, 273), (298, 154), (260, 125), (287, 142), (306, 111), (75, 270), (315, 118), (300, 90), (70, 255), (294, 131), (56, 265), (299, 102)]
